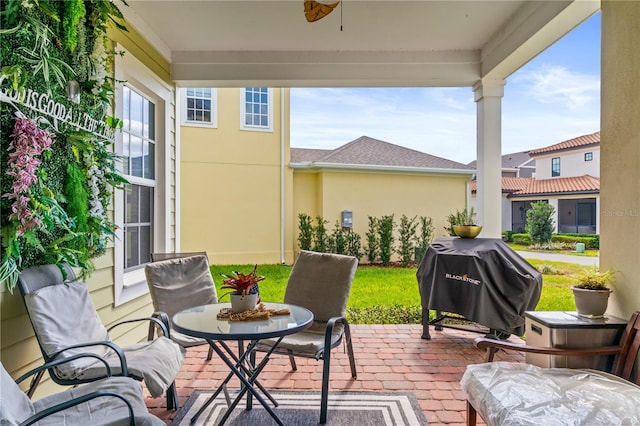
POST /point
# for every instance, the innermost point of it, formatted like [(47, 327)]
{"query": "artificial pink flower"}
[(28, 142)]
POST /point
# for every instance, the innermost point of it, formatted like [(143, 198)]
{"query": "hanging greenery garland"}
[(58, 167)]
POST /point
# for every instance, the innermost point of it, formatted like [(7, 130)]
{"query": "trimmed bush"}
[(523, 239), (305, 231), (386, 239), (407, 232), (590, 241), (373, 242), (540, 222)]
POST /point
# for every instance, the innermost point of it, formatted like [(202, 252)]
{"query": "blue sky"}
[(554, 97)]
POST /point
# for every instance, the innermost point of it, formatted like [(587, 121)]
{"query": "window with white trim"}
[(200, 106), (138, 152), (256, 109), (144, 103)]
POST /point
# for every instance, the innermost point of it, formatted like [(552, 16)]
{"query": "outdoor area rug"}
[(303, 408)]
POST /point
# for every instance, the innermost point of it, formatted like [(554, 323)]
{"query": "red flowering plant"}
[(240, 283)]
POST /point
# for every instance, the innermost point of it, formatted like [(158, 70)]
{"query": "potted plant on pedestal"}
[(462, 224), (591, 293), (244, 289)]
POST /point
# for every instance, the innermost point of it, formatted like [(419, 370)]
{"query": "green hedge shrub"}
[(590, 241), (523, 239)]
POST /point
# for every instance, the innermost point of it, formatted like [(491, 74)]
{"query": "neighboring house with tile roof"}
[(370, 177), (567, 175), (516, 165)]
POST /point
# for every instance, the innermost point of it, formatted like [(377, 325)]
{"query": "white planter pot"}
[(241, 303), (591, 303)]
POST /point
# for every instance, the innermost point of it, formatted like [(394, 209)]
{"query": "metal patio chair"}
[(112, 401), (320, 282), (179, 281), (65, 322)]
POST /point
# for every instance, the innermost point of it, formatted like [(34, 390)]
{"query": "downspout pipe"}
[(282, 176)]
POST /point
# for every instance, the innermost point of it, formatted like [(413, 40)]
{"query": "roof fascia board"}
[(379, 168), (532, 29), (553, 194), (554, 152)]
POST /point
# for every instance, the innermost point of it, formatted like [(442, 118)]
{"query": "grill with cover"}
[(482, 279)]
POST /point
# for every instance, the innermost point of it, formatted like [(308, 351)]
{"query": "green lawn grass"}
[(381, 294)]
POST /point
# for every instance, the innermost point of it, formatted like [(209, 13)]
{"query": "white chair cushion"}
[(58, 327), (100, 411), (309, 341), (180, 283), (321, 282), (15, 405), (157, 361)]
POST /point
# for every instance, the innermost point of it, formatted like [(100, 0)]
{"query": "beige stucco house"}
[(215, 44), (235, 180), (253, 186), (369, 177)]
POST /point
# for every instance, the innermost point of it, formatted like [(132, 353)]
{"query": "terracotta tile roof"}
[(524, 187), (580, 141), (509, 184), (567, 185), (369, 151)]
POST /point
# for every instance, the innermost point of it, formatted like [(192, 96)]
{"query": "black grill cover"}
[(482, 279)]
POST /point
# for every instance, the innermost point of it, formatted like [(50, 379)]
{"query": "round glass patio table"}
[(203, 322)]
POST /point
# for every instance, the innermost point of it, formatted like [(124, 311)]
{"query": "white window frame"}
[(243, 126), (214, 110), (132, 72)]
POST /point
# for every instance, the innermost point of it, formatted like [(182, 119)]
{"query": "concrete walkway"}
[(556, 257)]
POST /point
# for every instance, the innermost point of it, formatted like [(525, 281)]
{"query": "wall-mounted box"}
[(347, 219)]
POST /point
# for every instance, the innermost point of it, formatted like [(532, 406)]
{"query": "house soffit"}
[(400, 43)]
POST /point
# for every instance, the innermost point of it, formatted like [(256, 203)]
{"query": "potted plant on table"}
[(244, 289), (591, 293), (462, 224)]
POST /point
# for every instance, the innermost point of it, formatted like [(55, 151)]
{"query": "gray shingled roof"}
[(369, 151), (513, 160)]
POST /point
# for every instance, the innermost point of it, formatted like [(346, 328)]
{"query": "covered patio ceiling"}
[(362, 43)]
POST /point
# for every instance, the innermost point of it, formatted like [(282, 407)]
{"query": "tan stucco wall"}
[(377, 194), (620, 152), (19, 350), (230, 187)]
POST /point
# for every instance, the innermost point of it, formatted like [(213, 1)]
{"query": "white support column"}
[(555, 203), (488, 96)]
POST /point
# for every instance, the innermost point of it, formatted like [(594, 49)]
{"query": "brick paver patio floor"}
[(388, 358)]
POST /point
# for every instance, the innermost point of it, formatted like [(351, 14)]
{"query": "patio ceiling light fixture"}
[(315, 11)]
